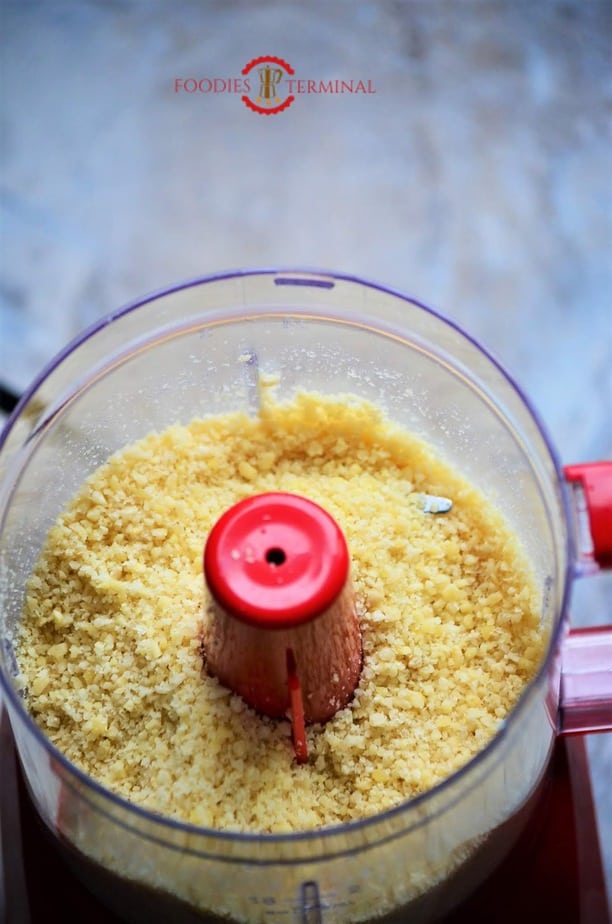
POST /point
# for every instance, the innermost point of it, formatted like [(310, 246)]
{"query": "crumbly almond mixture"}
[(109, 647)]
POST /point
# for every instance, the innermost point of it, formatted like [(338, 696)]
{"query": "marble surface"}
[(477, 178)]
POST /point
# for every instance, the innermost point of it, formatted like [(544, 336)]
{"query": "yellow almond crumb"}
[(109, 646)]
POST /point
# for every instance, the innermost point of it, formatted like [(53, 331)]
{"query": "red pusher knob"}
[(282, 630)]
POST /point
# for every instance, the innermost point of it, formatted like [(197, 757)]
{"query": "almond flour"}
[(109, 647)]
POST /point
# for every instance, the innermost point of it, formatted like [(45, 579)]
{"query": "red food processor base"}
[(553, 873)]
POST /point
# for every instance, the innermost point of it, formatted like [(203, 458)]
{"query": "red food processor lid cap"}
[(276, 560)]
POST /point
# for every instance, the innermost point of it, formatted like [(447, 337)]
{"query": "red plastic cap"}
[(276, 560)]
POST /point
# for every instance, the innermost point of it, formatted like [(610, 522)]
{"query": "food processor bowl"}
[(201, 349)]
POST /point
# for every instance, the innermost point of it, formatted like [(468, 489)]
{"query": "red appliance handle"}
[(585, 703), (595, 479)]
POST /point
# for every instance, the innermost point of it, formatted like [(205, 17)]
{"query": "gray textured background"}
[(477, 178)]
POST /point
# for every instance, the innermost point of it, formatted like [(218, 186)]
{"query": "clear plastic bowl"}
[(198, 349)]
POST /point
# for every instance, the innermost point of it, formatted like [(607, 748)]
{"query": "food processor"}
[(200, 349)]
